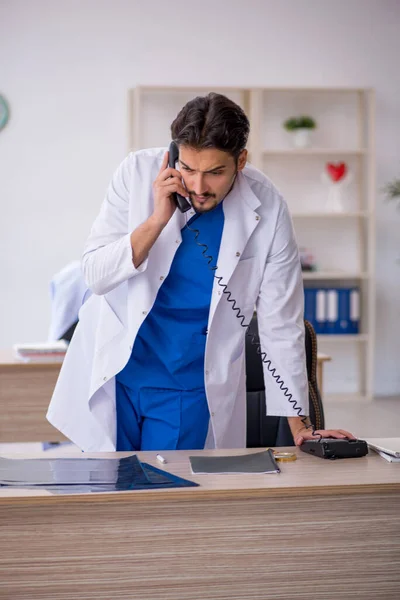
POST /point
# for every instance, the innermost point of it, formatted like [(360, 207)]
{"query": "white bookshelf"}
[(313, 152), (343, 242), (333, 215), (333, 275), (361, 337)]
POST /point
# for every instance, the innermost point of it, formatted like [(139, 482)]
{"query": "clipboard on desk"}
[(254, 463)]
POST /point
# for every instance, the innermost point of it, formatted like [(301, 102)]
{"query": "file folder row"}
[(333, 311)]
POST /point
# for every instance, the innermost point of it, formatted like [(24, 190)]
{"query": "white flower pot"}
[(302, 137)]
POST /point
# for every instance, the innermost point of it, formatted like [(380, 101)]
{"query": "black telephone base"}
[(333, 448)]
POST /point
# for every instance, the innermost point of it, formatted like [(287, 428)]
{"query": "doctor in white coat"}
[(135, 246)]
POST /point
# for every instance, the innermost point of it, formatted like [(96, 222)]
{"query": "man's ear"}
[(242, 160)]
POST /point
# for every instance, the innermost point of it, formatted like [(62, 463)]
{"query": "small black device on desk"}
[(335, 448)]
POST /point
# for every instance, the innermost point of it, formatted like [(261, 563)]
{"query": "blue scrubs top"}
[(168, 353)]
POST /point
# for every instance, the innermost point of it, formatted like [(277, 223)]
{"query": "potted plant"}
[(392, 192), (301, 128)]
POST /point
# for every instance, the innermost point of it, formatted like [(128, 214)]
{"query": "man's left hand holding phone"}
[(167, 183)]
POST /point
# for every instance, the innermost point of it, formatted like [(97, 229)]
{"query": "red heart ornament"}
[(336, 171)]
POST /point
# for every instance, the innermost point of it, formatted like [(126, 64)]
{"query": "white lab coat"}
[(259, 262)]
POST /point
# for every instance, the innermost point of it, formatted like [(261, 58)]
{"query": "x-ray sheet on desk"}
[(83, 475)]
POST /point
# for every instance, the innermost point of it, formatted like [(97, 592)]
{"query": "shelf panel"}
[(332, 275), (331, 215), (190, 88), (360, 337), (344, 397), (313, 90), (313, 151)]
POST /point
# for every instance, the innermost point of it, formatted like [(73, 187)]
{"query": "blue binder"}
[(315, 308), (354, 311), (310, 305), (343, 322), (343, 311), (332, 311), (320, 311)]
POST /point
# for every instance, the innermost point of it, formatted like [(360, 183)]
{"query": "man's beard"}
[(206, 206), (201, 208)]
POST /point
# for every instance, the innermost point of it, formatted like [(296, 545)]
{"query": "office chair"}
[(67, 335), (263, 430)]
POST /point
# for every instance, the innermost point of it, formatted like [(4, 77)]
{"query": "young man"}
[(157, 360)]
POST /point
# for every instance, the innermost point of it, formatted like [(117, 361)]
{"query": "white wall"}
[(66, 66)]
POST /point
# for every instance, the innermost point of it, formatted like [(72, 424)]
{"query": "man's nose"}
[(199, 184)]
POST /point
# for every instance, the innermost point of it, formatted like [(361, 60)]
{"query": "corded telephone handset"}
[(173, 155), (325, 448)]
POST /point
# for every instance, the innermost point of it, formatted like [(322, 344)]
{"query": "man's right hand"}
[(168, 182)]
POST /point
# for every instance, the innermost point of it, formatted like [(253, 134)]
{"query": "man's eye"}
[(187, 169), (216, 173)]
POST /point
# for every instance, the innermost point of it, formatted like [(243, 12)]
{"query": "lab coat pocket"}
[(109, 325)]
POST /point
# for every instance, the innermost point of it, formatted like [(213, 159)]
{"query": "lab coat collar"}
[(243, 189)]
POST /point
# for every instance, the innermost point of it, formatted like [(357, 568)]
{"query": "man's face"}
[(208, 175)]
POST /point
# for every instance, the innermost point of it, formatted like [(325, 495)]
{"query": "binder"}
[(332, 311), (315, 308), (342, 311), (343, 321), (320, 311), (354, 312), (309, 306)]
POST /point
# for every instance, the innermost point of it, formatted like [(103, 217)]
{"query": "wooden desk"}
[(320, 529), (25, 392)]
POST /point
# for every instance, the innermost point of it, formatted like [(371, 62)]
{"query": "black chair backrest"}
[(67, 336), (263, 430)]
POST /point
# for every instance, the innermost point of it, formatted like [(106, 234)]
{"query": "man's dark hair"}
[(212, 121)]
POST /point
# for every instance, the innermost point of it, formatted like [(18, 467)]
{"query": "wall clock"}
[(4, 112)]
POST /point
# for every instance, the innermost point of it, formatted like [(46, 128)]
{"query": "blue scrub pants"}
[(160, 419)]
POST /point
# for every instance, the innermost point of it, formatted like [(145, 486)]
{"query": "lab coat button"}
[(104, 378), (237, 253), (213, 414), (161, 278), (207, 372), (257, 218), (144, 312)]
